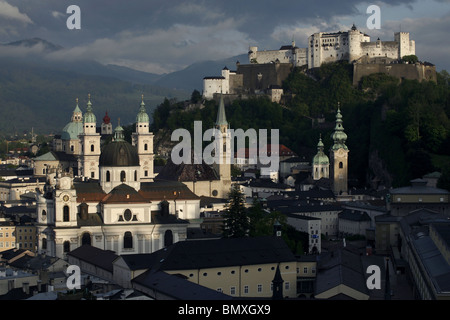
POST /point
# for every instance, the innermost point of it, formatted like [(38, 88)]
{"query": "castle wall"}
[(418, 72), (212, 85), (258, 77)]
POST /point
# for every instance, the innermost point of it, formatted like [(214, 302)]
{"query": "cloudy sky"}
[(162, 36)]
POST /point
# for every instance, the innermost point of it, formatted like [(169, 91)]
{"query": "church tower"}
[(321, 163), (142, 139), (339, 157), (223, 168), (90, 144)]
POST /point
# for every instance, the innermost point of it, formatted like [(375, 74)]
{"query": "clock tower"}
[(339, 158)]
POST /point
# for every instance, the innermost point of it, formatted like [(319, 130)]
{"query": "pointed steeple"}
[(221, 117), (339, 137), (277, 285)]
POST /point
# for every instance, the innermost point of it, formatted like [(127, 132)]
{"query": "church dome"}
[(142, 116), (89, 116), (321, 158), (119, 153), (72, 130)]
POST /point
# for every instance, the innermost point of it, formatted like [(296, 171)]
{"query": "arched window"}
[(66, 215), (122, 176), (44, 243), (127, 240), (66, 246), (108, 176), (341, 165), (145, 147), (135, 175), (92, 148), (44, 213), (71, 148), (86, 239), (168, 238)]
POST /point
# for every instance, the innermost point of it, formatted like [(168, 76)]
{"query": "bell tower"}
[(223, 168), (90, 144), (142, 139), (339, 157)]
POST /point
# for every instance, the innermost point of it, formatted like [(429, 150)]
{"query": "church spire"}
[(339, 137), (221, 117), (142, 116), (89, 116)]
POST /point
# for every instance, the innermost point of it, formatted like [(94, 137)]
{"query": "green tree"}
[(196, 96), (236, 224), (444, 180), (410, 59)]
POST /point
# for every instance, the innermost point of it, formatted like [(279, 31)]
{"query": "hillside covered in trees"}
[(397, 130)]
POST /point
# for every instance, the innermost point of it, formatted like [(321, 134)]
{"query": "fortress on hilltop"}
[(269, 68)]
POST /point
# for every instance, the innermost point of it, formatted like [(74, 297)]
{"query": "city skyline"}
[(161, 37)]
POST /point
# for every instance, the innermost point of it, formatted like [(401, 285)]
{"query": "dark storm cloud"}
[(163, 36)]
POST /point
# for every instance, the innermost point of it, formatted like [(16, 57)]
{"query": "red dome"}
[(106, 118)]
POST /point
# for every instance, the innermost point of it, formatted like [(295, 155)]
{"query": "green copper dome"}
[(142, 116), (74, 127), (89, 116), (339, 136), (72, 130), (320, 157)]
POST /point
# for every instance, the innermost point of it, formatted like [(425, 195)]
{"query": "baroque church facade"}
[(115, 203)]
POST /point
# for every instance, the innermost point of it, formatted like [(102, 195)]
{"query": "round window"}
[(127, 215), (215, 193)]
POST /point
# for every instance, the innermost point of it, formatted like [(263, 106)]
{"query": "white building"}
[(312, 226), (119, 211)]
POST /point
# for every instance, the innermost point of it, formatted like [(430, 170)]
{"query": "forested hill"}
[(41, 96), (397, 131)]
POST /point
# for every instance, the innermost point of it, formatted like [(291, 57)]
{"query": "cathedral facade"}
[(114, 203)]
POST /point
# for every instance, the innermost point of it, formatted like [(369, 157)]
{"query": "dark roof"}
[(38, 262), (177, 287), (165, 189), (308, 208), (89, 191), (187, 172), (123, 193), (338, 267), (419, 186), (198, 254), (11, 253), (354, 216), (139, 261), (119, 154), (95, 256)]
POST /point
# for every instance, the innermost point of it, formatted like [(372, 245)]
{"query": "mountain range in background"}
[(34, 89)]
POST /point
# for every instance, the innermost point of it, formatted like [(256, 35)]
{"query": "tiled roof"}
[(187, 172), (124, 194), (95, 256)]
